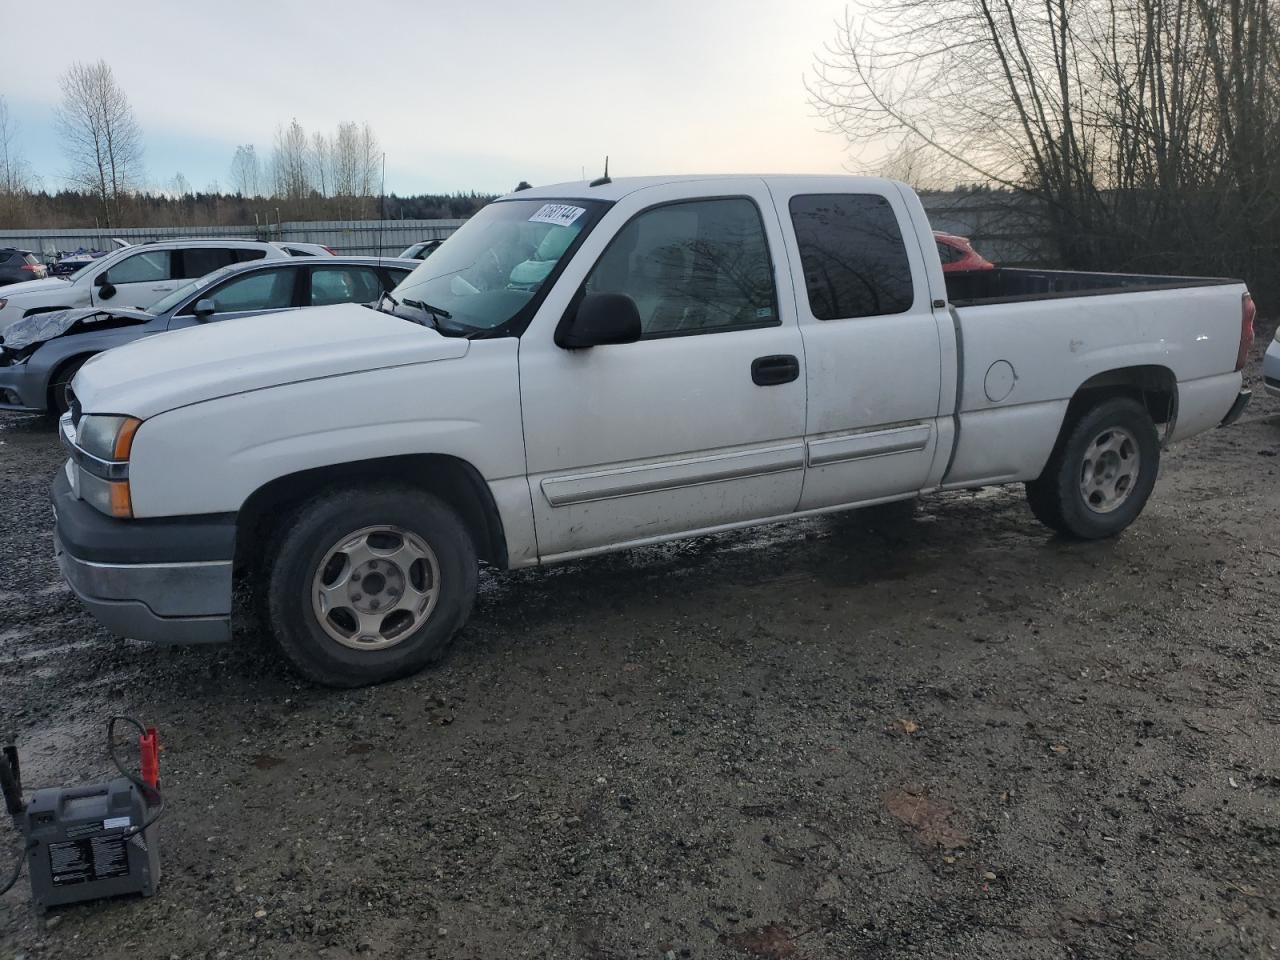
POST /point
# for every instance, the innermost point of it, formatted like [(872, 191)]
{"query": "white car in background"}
[(420, 250), (295, 249), (135, 276)]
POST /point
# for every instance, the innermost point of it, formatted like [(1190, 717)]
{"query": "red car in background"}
[(958, 254)]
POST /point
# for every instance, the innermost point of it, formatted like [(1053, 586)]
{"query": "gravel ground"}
[(950, 736)]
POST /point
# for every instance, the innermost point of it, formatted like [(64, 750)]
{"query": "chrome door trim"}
[(875, 443), (671, 474)]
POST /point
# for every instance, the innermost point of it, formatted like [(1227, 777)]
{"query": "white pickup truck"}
[(593, 366)]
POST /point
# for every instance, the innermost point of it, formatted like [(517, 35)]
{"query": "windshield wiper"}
[(433, 314), (377, 305), (436, 312)]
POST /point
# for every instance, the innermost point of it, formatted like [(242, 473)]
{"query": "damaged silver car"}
[(40, 354)]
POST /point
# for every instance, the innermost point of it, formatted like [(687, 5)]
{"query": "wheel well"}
[(61, 368), (1155, 387), (454, 481)]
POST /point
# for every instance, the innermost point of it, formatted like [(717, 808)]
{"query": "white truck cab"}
[(134, 276), (592, 366)]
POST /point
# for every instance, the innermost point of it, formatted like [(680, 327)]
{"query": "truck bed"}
[(1029, 339), (1017, 284)]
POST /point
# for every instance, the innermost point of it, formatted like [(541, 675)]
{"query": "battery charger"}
[(89, 842)]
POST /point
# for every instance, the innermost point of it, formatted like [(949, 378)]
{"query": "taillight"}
[(1248, 310), (33, 267), (332, 251)]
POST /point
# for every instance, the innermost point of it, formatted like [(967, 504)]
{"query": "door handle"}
[(771, 371)]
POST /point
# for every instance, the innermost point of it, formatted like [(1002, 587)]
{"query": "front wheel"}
[(1101, 472), (370, 584), (58, 404)]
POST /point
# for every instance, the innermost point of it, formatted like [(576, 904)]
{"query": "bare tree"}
[(357, 167), (370, 163), (289, 163), (913, 162), (321, 164), (346, 165), (1147, 131), (16, 181), (178, 187), (246, 171), (102, 140), (15, 174)]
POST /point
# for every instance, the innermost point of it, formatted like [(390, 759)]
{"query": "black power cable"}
[(11, 787), (17, 869)]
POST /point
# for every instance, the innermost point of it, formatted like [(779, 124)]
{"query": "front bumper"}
[(1271, 369), (19, 391), (167, 581)]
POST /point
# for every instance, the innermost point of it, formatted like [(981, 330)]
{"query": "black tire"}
[(1056, 497), (62, 378), (307, 539)]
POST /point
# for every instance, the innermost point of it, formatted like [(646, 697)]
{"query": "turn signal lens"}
[(124, 439), (121, 503), (111, 497)]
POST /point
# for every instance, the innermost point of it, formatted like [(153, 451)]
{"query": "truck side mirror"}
[(204, 308), (601, 318)]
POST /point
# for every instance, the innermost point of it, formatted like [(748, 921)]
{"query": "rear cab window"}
[(852, 252)]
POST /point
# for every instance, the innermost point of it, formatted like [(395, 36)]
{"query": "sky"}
[(473, 95)]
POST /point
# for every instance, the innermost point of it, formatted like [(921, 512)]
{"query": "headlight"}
[(107, 438), (101, 452)]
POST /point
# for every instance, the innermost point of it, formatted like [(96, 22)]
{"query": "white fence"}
[(352, 237)]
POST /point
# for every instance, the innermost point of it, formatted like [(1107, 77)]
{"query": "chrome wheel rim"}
[(375, 587), (1109, 473)]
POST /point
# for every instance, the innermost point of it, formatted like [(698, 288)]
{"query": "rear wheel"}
[(370, 584), (1101, 472)]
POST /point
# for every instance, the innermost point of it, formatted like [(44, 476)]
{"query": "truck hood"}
[(39, 327), (32, 286), (183, 367)]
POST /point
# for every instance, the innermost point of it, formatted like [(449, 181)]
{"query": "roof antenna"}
[(382, 202), (601, 181)]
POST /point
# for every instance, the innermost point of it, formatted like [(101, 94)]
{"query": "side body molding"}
[(651, 477)]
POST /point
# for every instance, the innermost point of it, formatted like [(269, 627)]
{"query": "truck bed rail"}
[(1020, 284)]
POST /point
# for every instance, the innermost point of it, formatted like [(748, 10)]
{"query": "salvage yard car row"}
[(41, 353)]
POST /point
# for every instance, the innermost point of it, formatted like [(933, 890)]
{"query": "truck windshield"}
[(496, 264)]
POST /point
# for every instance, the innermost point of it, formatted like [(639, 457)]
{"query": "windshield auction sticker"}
[(561, 214)]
